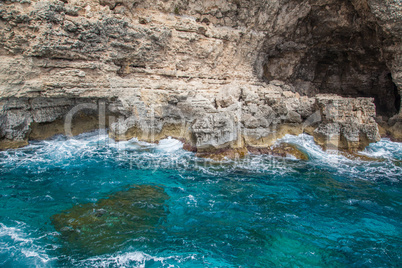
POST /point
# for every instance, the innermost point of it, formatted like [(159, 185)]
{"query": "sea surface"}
[(93, 202)]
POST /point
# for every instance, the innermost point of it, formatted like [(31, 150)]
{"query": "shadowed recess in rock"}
[(337, 48), (110, 223)]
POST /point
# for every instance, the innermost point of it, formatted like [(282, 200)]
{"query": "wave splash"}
[(136, 259), (383, 159), (17, 247), (62, 152)]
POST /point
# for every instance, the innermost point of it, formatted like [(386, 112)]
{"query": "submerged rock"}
[(108, 224), (283, 150), (362, 157), (225, 153)]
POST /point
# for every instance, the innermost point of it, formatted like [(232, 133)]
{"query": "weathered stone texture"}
[(216, 73)]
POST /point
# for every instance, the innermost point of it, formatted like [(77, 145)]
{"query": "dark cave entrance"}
[(346, 73), (335, 50), (350, 74)]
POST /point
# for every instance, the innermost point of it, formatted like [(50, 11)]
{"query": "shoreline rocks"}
[(222, 76), (344, 123)]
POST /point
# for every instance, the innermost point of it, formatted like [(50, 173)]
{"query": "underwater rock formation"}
[(108, 224), (218, 74)]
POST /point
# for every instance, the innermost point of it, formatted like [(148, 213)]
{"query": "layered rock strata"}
[(221, 75)]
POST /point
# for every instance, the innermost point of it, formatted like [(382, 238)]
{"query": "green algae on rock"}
[(110, 223)]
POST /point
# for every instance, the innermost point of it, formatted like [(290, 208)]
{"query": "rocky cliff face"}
[(218, 74)]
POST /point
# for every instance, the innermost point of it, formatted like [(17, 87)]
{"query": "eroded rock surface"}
[(218, 74)]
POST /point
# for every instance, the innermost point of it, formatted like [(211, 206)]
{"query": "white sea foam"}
[(306, 143), (168, 154), (169, 145), (387, 152), (384, 149), (21, 247), (132, 259)]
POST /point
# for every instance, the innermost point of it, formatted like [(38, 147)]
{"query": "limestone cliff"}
[(218, 74)]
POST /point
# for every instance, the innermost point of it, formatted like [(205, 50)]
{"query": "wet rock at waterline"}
[(112, 222), (282, 150)]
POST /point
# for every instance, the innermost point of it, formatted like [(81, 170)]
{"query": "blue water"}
[(260, 211)]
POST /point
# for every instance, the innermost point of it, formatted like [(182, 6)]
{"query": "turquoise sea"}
[(93, 202)]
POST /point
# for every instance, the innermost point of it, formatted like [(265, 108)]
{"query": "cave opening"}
[(352, 74), (343, 72), (335, 50)]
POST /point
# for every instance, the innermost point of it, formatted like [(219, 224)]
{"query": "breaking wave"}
[(384, 158), (24, 249)]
